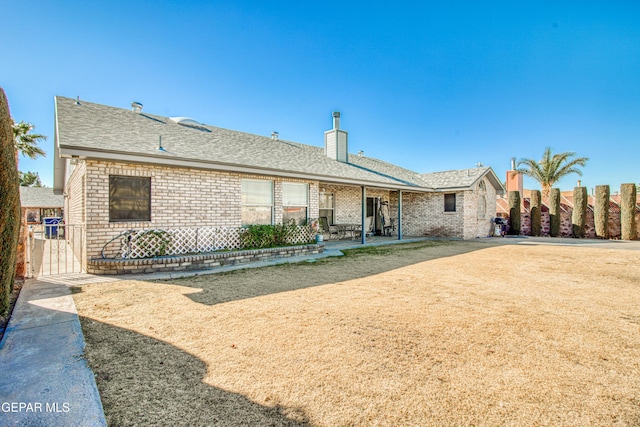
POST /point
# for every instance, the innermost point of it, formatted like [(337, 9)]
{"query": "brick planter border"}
[(196, 262)]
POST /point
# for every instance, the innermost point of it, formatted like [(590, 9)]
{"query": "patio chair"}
[(368, 228), (328, 229)]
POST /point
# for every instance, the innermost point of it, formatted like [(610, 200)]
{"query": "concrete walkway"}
[(44, 377), (45, 380)]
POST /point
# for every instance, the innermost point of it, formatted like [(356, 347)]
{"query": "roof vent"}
[(275, 135), (336, 119), (160, 147), (136, 107)]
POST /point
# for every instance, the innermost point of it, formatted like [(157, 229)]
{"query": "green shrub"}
[(514, 212), (153, 242), (271, 236), (579, 214), (9, 204), (628, 196), (601, 211), (536, 214), (554, 212)]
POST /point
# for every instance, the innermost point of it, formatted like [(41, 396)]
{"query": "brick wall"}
[(476, 222), (180, 197), (423, 213), (74, 211), (75, 197)]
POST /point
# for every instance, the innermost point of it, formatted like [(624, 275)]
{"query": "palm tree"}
[(30, 179), (551, 168), (27, 143)]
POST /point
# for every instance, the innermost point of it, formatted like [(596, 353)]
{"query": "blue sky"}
[(429, 86)]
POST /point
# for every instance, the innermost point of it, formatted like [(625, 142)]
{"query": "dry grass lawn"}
[(456, 333)]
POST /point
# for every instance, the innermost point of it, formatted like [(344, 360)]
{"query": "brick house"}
[(123, 169)]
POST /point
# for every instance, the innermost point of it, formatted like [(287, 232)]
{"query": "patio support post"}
[(399, 214), (363, 232)]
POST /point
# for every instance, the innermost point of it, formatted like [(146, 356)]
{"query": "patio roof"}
[(40, 197)]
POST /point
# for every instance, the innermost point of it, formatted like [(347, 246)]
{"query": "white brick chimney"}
[(336, 144)]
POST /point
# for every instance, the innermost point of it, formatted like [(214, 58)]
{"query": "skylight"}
[(189, 122), (185, 121)]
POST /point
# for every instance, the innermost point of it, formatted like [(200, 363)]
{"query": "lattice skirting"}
[(195, 262), (149, 243)]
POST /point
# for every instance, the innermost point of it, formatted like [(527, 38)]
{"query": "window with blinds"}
[(295, 202), (129, 198), (256, 200)]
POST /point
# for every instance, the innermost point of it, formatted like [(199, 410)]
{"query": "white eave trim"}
[(59, 164)]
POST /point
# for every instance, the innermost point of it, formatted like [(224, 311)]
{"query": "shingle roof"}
[(40, 197), (99, 131), (455, 178)]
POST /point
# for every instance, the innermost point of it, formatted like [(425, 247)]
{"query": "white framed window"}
[(256, 201), (327, 207), (295, 202)]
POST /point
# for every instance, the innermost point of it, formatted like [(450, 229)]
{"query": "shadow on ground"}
[(165, 383), (356, 264)]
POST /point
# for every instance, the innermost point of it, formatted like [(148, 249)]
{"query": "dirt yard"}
[(442, 334)]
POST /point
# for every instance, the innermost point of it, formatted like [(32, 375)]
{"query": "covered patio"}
[(357, 214)]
